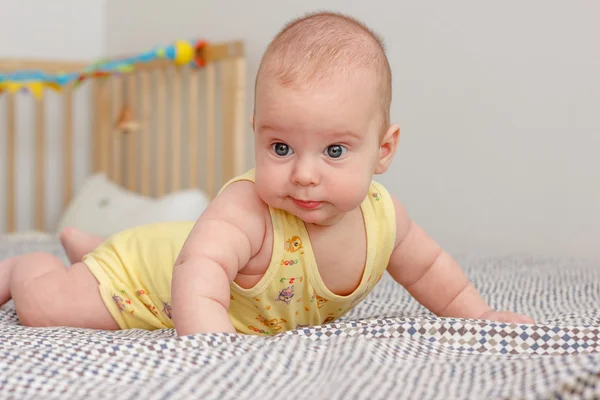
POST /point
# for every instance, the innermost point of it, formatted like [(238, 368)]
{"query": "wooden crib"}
[(156, 130)]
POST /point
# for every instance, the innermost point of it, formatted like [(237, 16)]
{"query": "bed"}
[(388, 347)]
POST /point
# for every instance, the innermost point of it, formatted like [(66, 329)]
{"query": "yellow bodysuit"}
[(134, 269)]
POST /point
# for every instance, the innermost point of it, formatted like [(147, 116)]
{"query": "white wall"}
[(60, 29), (57, 29), (498, 103)]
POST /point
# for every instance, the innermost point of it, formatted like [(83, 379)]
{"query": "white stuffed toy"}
[(102, 208)]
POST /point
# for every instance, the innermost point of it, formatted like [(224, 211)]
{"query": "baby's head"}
[(321, 117)]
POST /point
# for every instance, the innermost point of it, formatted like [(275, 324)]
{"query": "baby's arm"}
[(433, 278), (227, 235)]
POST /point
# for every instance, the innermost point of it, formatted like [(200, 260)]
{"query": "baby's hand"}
[(507, 316)]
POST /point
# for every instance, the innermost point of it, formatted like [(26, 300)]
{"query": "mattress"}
[(388, 347)]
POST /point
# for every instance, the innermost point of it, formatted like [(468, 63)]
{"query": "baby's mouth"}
[(307, 204)]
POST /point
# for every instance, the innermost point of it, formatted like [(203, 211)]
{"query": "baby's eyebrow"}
[(330, 135), (263, 127), (345, 134)]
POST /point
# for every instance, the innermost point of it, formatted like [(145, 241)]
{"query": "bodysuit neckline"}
[(311, 261)]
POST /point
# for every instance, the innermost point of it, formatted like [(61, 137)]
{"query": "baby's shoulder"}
[(239, 205), (240, 196)]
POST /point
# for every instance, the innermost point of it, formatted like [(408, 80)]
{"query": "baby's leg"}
[(77, 243), (46, 293)]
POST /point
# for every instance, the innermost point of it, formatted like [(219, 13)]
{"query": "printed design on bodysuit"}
[(321, 301), (330, 318), (140, 293), (258, 330), (120, 302), (123, 303), (286, 295), (273, 323), (294, 244), (376, 195), (292, 280), (167, 309)]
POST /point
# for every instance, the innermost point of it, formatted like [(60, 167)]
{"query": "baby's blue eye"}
[(282, 149), (336, 151)]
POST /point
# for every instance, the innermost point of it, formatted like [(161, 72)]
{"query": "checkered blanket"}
[(389, 347)]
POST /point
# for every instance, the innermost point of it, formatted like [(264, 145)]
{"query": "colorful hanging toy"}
[(181, 52)]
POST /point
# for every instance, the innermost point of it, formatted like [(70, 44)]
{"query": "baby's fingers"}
[(510, 317), (521, 319)]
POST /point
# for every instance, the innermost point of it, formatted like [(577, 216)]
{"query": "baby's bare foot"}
[(68, 241), (77, 243)]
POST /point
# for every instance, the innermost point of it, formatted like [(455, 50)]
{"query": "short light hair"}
[(315, 47)]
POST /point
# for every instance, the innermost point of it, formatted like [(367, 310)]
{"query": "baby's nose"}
[(306, 173)]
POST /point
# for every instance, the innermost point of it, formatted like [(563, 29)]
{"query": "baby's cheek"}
[(267, 183), (349, 191)]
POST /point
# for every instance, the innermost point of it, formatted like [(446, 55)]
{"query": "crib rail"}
[(157, 130)]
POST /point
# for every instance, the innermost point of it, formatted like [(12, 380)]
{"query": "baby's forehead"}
[(320, 50), (322, 76), (324, 116), (325, 84)]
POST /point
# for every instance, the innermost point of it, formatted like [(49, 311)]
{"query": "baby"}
[(297, 241)]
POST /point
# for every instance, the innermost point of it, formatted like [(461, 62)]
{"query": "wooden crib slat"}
[(103, 124), (161, 123), (96, 125), (68, 157), (132, 150), (40, 193), (193, 134), (145, 132), (115, 136), (210, 129), (228, 97), (176, 129), (239, 129), (11, 152)]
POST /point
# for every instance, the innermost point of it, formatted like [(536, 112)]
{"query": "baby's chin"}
[(327, 214)]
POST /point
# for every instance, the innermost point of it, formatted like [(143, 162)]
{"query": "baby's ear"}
[(387, 148), (252, 122)]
